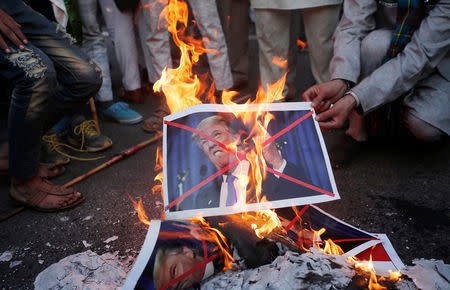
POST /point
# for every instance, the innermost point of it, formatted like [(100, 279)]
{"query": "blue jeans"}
[(51, 78), (94, 42)]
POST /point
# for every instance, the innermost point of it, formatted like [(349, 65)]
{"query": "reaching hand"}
[(10, 29), (323, 95), (335, 117)]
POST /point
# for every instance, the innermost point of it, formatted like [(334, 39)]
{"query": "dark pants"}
[(51, 78)]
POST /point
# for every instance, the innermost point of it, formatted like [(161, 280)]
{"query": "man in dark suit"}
[(231, 187)]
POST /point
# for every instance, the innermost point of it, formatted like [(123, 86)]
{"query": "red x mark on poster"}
[(233, 164)]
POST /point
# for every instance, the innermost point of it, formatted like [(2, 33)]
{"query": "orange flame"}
[(183, 89), (139, 208), (280, 62), (301, 44), (394, 276), (367, 266), (263, 222), (180, 86), (157, 188), (215, 236), (329, 246)]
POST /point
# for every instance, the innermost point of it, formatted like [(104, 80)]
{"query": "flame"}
[(181, 87), (215, 236), (280, 62), (329, 247), (394, 276), (367, 266), (139, 208), (263, 222), (157, 187), (301, 44)]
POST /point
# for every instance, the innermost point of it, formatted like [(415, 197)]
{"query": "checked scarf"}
[(386, 120)]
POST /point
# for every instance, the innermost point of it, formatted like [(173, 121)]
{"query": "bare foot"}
[(42, 195)]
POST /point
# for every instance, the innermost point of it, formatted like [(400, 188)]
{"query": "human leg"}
[(32, 78), (94, 45), (208, 23), (38, 101), (121, 28), (235, 22), (427, 113), (373, 49), (420, 129), (320, 23), (272, 32), (155, 37)]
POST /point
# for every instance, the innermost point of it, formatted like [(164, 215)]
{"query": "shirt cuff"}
[(281, 169), (354, 96)]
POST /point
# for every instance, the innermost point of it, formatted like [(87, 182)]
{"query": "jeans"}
[(94, 43), (51, 78)]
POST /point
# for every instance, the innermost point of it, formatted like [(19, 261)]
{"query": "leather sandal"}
[(155, 121), (42, 195)]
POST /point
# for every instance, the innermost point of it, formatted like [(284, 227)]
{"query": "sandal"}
[(42, 195), (155, 121)]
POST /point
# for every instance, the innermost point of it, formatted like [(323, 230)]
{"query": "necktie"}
[(231, 197)]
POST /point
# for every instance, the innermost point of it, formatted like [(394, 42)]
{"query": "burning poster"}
[(182, 254), (224, 159)]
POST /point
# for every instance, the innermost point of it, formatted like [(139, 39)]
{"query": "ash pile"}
[(313, 270)]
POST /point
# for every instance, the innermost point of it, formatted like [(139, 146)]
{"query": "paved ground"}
[(400, 189)]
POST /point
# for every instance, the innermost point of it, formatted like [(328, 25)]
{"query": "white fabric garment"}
[(60, 11)]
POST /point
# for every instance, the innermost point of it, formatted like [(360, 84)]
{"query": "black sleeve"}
[(280, 188)]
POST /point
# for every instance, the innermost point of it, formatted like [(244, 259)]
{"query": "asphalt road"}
[(397, 188)]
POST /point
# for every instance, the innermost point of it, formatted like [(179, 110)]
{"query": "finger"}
[(319, 99), (328, 114), (12, 36), (324, 105), (310, 94), (324, 129), (3, 45), (328, 125), (15, 28)]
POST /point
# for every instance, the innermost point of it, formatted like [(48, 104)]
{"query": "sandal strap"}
[(36, 197), (53, 189)]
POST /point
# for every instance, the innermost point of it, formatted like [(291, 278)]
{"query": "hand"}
[(335, 117), (11, 29), (323, 95), (272, 155)]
